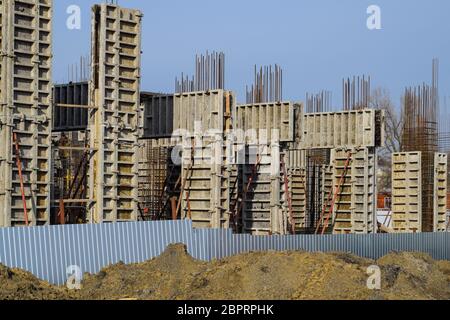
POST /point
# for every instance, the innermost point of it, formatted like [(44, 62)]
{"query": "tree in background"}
[(381, 100)]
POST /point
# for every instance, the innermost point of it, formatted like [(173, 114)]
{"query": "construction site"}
[(103, 150)]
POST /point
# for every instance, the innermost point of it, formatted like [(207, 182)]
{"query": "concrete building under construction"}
[(105, 151)]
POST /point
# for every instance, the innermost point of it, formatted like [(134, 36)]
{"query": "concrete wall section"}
[(440, 192), (265, 117), (203, 111), (407, 192), (114, 126), (361, 128), (25, 113), (355, 206)]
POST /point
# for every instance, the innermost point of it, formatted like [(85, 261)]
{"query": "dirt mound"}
[(167, 277), (271, 275), (254, 276), (20, 285), (415, 276)]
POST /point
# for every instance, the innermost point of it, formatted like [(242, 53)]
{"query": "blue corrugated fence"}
[(47, 252)]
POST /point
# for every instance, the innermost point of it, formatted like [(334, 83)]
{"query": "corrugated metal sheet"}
[(47, 252)]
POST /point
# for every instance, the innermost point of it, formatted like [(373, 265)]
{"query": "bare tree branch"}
[(381, 100)]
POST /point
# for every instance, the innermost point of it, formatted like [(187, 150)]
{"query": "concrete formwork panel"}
[(203, 111), (355, 207), (66, 116), (114, 124), (297, 190), (440, 192), (206, 185), (264, 211), (295, 158), (26, 65), (158, 115), (345, 129), (265, 117), (407, 192)]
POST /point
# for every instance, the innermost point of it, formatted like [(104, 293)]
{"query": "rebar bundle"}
[(356, 93), (209, 74), (268, 85), (321, 102), (420, 133)]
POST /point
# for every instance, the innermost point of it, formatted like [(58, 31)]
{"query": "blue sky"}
[(317, 42)]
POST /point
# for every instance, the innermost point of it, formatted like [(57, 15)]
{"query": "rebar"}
[(209, 74), (356, 93), (420, 133), (321, 102), (80, 71), (268, 85)]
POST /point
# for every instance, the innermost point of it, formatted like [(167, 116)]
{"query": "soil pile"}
[(272, 276), (254, 276), (20, 285)]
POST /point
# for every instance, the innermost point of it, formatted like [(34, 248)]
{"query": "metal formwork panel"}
[(361, 128), (355, 207), (440, 192), (206, 190), (263, 209), (66, 116), (203, 111), (264, 117), (25, 111), (158, 115), (114, 125), (297, 190), (407, 192), (296, 158)]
